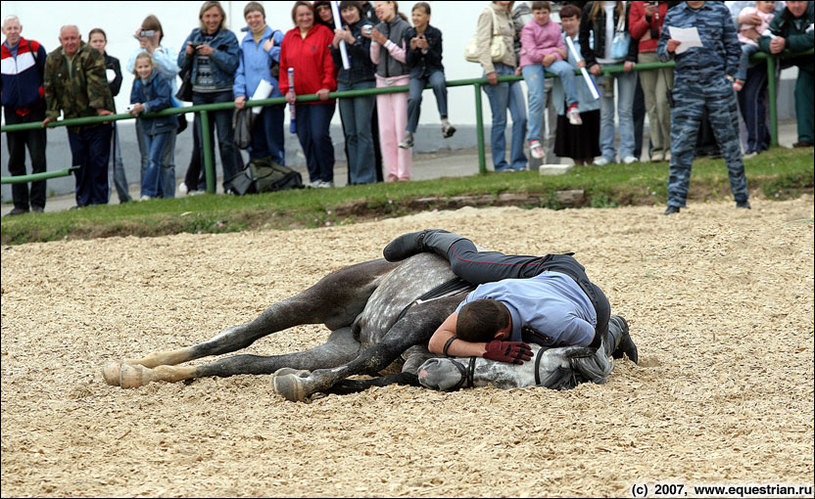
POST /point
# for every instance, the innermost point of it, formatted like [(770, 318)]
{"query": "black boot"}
[(404, 246), (618, 329)]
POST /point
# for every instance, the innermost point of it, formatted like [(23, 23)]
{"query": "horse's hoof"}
[(133, 376), (112, 372), (285, 371), (292, 387)]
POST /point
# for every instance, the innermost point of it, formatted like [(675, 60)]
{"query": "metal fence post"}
[(479, 130), (206, 145), (771, 90)]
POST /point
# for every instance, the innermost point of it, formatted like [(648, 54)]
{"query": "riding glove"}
[(515, 352)]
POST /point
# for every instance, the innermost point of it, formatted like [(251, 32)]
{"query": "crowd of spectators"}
[(583, 116)]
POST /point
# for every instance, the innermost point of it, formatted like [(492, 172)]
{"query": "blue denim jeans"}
[(267, 135), (507, 96), (534, 75), (313, 122), (222, 121), (417, 86), (166, 187), (747, 49), (626, 86), (356, 118), (152, 181), (90, 150)]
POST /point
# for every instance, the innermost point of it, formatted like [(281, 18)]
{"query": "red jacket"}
[(311, 59), (640, 28)]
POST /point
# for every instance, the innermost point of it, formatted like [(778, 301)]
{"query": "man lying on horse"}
[(385, 311)]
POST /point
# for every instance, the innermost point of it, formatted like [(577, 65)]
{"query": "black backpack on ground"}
[(264, 175)]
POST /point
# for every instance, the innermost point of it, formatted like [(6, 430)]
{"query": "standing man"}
[(76, 84), (703, 81), (23, 97), (792, 30)]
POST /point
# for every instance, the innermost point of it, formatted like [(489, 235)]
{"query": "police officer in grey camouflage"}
[(703, 80)]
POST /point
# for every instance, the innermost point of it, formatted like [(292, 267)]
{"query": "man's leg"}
[(16, 164), (79, 157), (803, 105), (685, 119), (36, 142), (723, 113)]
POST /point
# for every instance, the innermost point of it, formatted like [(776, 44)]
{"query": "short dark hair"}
[(423, 5), (570, 11), (479, 320), (152, 22), (541, 5), (353, 4)]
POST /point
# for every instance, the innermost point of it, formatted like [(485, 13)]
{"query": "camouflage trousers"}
[(690, 102)]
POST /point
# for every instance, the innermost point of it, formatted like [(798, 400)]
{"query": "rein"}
[(466, 374), (445, 289)]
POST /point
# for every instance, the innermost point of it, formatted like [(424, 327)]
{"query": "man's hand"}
[(672, 44), (515, 352), (46, 121), (777, 45), (752, 18)]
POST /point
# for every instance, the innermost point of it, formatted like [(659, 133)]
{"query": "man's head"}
[(483, 320), (541, 11), (11, 30), (797, 8), (70, 39)]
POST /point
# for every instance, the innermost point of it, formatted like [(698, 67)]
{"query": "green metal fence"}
[(476, 83)]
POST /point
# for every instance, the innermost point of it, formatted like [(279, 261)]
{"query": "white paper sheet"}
[(688, 36), (263, 91)]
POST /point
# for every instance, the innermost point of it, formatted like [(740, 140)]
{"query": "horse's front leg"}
[(335, 301), (415, 328)]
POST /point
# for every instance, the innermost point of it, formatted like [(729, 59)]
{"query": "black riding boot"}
[(621, 341), (436, 240)]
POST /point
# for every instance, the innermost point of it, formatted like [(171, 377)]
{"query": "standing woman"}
[(260, 50), (213, 53), (505, 95), (601, 22), (99, 40), (150, 35), (388, 54), (356, 112), (305, 48)]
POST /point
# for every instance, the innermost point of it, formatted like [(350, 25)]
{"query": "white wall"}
[(41, 21)]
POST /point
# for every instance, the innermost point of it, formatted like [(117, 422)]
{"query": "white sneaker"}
[(407, 142), (182, 189), (657, 157), (574, 115), (535, 148), (601, 161), (145, 198), (630, 159), (447, 130)]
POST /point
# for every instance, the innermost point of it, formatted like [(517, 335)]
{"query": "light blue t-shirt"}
[(551, 304)]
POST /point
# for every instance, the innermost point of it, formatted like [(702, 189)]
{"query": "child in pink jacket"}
[(749, 35)]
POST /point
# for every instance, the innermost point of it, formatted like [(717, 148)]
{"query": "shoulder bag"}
[(621, 41), (498, 48)]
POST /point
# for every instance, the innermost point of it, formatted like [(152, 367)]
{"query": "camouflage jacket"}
[(719, 55), (81, 92)]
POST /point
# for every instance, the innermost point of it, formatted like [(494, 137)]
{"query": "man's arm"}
[(458, 347)]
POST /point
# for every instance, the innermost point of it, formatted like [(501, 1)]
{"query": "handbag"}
[(498, 48), (621, 41), (242, 121), (185, 90)]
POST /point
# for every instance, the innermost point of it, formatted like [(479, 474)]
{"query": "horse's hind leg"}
[(415, 328), (335, 301), (340, 348)]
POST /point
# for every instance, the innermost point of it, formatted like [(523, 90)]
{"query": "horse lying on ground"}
[(378, 312)]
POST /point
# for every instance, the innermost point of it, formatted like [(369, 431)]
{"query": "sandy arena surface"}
[(720, 303)]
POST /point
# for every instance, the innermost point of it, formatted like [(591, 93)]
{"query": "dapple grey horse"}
[(379, 313)]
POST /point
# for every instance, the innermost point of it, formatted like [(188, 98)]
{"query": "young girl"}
[(388, 54), (423, 57), (151, 93)]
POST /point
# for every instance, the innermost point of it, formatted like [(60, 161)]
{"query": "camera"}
[(146, 33), (130, 107), (367, 29)]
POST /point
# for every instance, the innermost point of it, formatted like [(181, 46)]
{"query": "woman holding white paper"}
[(260, 51)]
